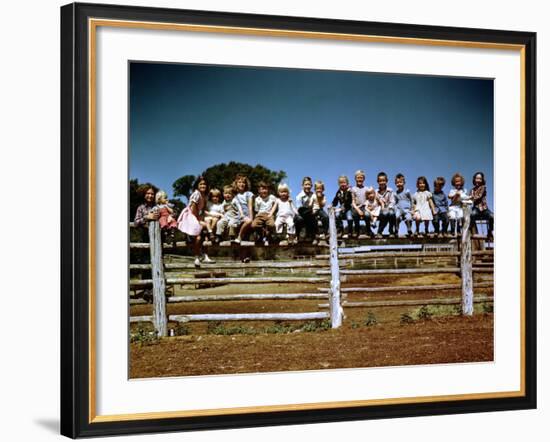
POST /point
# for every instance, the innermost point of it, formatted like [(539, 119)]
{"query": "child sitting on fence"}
[(423, 206), (441, 205), (387, 212), (286, 212), (457, 195), (403, 204), (191, 219), (167, 214), (342, 203), (145, 211), (319, 201), (372, 208), (306, 219), (265, 205), (481, 210), (230, 219), (244, 202), (213, 212), (359, 196)]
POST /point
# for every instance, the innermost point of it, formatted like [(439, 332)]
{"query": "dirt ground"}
[(441, 340), (382, 336)]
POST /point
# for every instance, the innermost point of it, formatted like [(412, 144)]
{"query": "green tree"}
[(223, 174), (183, 186)]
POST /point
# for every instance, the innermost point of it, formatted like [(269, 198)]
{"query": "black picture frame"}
[(76, 403)]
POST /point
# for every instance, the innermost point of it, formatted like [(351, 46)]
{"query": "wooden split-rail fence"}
[(331, 273)]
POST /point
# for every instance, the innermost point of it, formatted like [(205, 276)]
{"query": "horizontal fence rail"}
[(246, 297), (243, 280), (251, 317)]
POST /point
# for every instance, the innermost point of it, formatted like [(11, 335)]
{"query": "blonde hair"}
[(319, 183), (229, 189), (160, 195), (282, 187), (239, 177), (360, 172), (370, 190), (214, 192), (458, 176)]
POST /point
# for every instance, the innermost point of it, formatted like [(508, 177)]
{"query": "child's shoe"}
[(207, 260), (197, 262)]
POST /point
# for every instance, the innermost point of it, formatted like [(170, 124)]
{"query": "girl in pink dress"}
[(191, 220)]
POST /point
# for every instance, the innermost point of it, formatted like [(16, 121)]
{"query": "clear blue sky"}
[(186, 118)]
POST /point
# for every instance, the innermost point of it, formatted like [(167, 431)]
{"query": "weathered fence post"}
[(160, 319), (466, 263), (336, 312)]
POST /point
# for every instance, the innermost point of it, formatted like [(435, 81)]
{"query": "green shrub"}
[(280, 328), (424, 313), (371, 319), (218, 328), (144, 337), (181, 330), (313, 326), (488, 307)]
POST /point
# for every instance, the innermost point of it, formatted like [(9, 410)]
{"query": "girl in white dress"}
[(286, 211), (423, 205), (372, 205), (457, 195)]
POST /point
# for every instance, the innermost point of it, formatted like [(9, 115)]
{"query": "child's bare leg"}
[(197, 246), (426, 227), (245, 227)]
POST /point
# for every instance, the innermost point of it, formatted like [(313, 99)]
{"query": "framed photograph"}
[(274, 220)]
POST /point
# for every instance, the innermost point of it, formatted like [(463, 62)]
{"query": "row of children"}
[(239, 212), (390, 208)]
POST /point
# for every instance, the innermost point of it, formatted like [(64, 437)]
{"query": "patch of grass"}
[(430, 311), (144, 337), (487, 307), (314, 326), (219, 328), (280, 328), (370, 320), (181, 330), (424, 313), (406, 318)]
